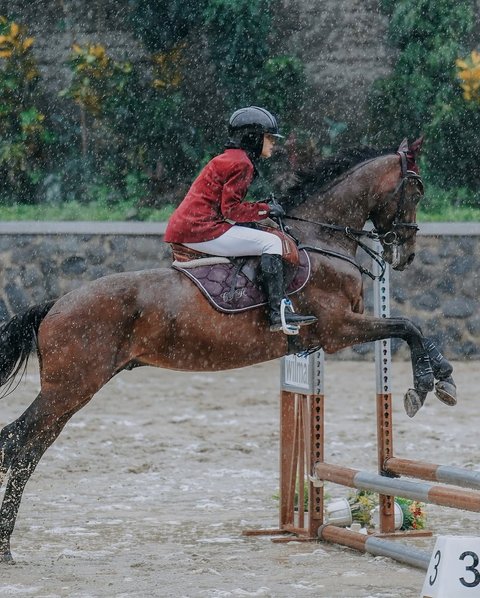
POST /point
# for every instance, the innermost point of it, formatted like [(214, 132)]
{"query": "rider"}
[(210, 217)]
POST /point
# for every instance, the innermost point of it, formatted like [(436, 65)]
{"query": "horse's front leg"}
[(356, 328), (445, 388)]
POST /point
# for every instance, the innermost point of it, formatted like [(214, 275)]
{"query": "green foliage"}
[(282, 87), (429, 34), (240, 46), (413, 513), (132, 127), (422, 95), (143, 130), (162, 24), (428, 22), (237, 32), (455, 204), (451, 154), (23, 135), (97, 80), (100, 208)]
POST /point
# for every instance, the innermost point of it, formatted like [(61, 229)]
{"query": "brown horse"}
[(159, 318)]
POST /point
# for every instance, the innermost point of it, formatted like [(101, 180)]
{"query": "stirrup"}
[(290, 329)]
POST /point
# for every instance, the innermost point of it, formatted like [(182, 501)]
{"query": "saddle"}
[(232, 285)]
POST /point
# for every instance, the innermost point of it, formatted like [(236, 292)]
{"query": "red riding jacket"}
[(216, 195)]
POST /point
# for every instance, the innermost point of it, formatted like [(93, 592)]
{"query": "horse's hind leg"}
[(15, 436), (22, 466), (23, 443), (11, 442), (445, 388)]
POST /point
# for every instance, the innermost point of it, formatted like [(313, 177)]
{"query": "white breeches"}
[(239, 241)]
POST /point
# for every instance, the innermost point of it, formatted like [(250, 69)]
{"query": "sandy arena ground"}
[(148, 489)]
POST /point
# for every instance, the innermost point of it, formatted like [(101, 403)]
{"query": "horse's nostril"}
[(411, 257)]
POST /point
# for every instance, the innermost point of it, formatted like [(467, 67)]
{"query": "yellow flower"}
[(28, 43), (97, 50), (167, 68), (469, 76), (475, 57), (14, 30)]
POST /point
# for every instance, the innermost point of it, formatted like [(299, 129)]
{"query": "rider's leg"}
[(244, 241), (240, 241), (273, 285)]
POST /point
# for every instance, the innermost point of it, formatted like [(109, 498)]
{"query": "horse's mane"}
[(317, 176)]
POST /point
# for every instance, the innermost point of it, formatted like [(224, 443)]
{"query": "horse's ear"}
[(417, 145), (403, 147)]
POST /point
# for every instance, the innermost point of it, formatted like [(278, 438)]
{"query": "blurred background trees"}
[(24, 136), (426, 92), (139, 131)]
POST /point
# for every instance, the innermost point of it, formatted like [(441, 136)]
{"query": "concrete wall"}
[(439, 291)]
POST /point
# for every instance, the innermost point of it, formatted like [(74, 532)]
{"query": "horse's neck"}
[(341, 209), (347, 203)]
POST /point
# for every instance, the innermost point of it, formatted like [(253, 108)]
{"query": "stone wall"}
[(439, 291)]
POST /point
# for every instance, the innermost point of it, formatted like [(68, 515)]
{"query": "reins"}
[(375, 255)]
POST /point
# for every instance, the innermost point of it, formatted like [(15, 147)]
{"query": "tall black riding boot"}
[(272, 278)]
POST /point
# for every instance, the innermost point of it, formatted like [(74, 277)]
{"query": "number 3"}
[(472, 568), (438, 555)]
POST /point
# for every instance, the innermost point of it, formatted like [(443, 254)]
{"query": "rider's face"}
[(268, 145)]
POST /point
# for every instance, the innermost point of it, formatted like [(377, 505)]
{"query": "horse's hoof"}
[(446, 392), (412, 402), (6, 558)]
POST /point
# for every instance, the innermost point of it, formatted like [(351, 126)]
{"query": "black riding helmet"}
[(246, 129)]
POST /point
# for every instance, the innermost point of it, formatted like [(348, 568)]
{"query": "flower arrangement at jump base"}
[(362, 507)]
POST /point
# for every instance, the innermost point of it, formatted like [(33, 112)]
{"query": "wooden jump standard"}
[(302, 464)]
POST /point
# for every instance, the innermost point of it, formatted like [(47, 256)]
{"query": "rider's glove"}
[(275, 210)]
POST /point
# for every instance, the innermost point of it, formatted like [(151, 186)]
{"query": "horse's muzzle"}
[(397, 257)]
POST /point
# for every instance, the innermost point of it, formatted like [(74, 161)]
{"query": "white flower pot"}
[(338, 512), (398, 516)]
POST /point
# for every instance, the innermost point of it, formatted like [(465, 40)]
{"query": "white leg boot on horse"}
[(274, 288)]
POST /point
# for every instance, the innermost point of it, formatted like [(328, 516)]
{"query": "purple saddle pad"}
[(230, 290)]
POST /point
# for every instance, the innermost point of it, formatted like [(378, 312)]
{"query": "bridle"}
[(388, 237)]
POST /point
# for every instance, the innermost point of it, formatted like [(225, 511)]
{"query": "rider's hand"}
[(275, 210)]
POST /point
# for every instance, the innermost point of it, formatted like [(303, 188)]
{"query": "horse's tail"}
[(17, 337)]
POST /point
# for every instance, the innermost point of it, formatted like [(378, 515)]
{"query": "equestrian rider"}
[(210, 217)]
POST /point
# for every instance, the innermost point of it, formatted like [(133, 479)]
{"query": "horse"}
[(159, 318)]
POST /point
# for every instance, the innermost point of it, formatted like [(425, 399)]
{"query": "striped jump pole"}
[(446, 496), (376, 546)]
